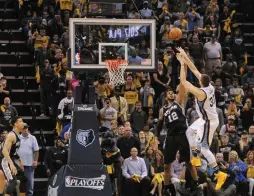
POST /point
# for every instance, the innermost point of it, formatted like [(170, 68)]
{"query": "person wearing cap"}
[(146, 12), (225, 146), (29, 154), (230, 129), (47, 74), (212, 54), (219, 74)]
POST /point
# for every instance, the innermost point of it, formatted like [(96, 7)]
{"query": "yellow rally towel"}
[(245, 58), (59, 128), (3, 108), (39, 3), (165, 59), (136, 178), (238, 98), (195, 161), (228, 22), (37, 75), (39, 41), (152, 142), (250, 172), (159, 178), (66, 5), (110, 169), (131, 97), (183, 23), (150, 100), (137, 82), (110, 154)]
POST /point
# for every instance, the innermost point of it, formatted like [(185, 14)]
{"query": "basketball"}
[(175, 33)]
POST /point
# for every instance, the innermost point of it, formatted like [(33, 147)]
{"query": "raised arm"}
[(189, 63), (187, 85), (160, 123), (180, 97)]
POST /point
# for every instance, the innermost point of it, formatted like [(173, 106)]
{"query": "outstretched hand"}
[(183, 54), (180, 58)]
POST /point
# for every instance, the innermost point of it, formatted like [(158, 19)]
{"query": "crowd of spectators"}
[(211, 39)]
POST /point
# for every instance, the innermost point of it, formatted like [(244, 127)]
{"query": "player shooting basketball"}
[(172, 115), (208, 120)]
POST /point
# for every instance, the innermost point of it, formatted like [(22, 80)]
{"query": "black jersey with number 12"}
[(174, 118)]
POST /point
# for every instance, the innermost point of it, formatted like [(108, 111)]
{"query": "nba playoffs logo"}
[(90, 183), (77, 58), (85, 137)]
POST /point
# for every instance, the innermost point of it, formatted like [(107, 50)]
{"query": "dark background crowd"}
[(215, 43)]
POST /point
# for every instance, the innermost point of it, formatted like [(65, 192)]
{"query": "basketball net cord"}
[(116, 69)]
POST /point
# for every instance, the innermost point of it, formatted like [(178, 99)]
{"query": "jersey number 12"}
[(172, 117)]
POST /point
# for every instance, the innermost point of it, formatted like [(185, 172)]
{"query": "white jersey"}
[(207, 109)]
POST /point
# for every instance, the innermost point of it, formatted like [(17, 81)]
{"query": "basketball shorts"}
[(174, 143), (4, 166), (205, 130)]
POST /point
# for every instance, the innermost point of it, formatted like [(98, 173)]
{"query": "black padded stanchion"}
[(84, 174), (84, 145), (80, 180)]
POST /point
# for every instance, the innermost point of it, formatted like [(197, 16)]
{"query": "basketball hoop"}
[(116, 69)]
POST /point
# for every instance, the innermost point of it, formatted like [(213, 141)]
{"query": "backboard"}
[(94, 40)]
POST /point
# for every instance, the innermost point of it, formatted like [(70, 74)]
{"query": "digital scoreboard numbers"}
[(123, 33), (126, 32)]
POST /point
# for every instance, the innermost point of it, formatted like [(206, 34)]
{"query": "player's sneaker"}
[(221, 178)]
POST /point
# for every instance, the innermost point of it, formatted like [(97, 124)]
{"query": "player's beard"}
[(171, 100)]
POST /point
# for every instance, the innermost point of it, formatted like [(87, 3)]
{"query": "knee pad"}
[(11, 186), (208, 155)]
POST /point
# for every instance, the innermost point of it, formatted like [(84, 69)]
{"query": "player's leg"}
[(191, 135), (184, 150), (170, 149), (209, 129), (2, 183), (11, 180)]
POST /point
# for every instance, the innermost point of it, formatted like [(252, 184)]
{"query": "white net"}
[(116, 69)]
